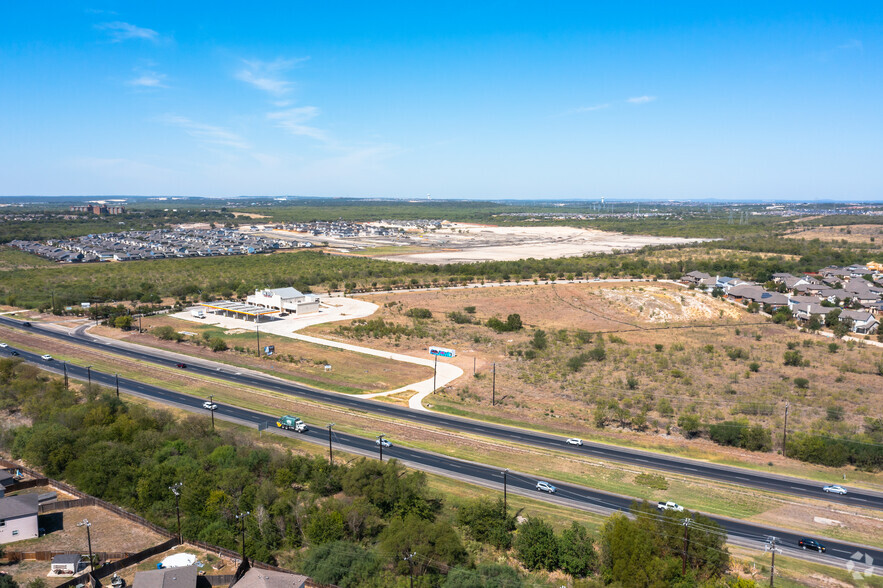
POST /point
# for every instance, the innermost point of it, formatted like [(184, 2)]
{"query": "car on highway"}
[(574, 441), (3, 345), (383, 443), (181, 365), (546, 487), (811, 544), (835, 489), (26, 324), (13, 352), (46, 357), (208, 405)]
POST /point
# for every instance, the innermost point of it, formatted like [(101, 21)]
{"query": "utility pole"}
[(87, 524), (380, 445), (139, 325), (64, 364), (473, 366), (686, 544), (434, 372), (330, 454), (785, 432), (89, 375), (494, 387), (117, 376), (241, 518), (257, 330), (407, 558), (505, 505), (212, 410), (771, 547), (176, 490)]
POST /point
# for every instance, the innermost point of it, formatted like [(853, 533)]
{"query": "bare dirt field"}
[(872, 234), (456, 243)]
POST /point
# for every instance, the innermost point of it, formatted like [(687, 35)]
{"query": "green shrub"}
[(419, 313)]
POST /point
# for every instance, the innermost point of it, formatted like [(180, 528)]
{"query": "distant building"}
[(285, 300), (99, 209)]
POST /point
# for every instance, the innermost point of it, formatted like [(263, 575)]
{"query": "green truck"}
[(291, 423)]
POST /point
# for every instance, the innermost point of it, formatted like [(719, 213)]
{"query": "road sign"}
[(442, 352), (269, 349)]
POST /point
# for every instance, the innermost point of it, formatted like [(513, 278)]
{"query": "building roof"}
[(23, 505), (6, 478), (239, 308), (256, 578), (284, 293), (184, 577), (67, 558)]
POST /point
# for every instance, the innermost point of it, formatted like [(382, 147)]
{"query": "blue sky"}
[(457, 100)]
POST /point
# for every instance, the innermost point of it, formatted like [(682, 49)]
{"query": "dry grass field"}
[(668, 351), (871, 234)]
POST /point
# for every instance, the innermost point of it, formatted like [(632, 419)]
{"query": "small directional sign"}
[(442, 352)]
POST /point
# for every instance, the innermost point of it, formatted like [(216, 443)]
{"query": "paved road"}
[(645, 459), (571, 495)]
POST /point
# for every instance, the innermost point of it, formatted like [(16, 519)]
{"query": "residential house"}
[(806, 310), (863, 323), (694, 277), (256, 578), (18, 518), (183, 577)]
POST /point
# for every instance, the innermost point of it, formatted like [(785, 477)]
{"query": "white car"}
[(209, 406), (383, 442), (546, 487), (3, 345), (835, 489), (46, 357), (574, 441)]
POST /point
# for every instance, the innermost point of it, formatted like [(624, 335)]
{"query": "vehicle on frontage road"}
[(546, 487), (291, 423), (181, 365), (4, 345), (574, 441), (383, 443), (673, 506), (835, 489), (209, 405), (46, 357), (811, 544)]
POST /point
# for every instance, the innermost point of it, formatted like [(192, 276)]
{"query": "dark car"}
[(26, 324), (811, 544), (13, 352), (181, 365)]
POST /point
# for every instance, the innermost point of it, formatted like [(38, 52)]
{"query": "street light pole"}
[(89, 375), (212, 410), (257, 330), (176, 490), (494, 387), (117, 376), (505, 505), (241, 518), (434, 372), (380, 445), (330, 454), (410, 566), (87, 524), (64, 364), (785, 432)]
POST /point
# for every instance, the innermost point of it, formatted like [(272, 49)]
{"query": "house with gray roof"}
[(18, 518), (257, 578)]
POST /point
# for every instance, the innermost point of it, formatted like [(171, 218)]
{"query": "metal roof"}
[(240, 308)]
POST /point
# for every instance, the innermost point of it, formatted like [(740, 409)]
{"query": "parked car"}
[(835, 489), (181, 365), (383, 443), (46, 357), (574, 441), (811, 544), (208, 405), (546, 487)]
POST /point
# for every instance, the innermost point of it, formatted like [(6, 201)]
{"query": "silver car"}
[(546, 487), (574, 441), (835, 489)]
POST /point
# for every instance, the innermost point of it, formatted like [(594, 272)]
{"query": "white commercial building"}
[(285, 300)]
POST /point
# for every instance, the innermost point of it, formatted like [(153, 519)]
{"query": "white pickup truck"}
[(670, 506)]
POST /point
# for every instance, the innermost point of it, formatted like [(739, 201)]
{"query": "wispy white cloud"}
[(267, 75), (206, 133), (641, 99), (122, 31), (593, 108), (148, 79), (851, 44), (293, 119)]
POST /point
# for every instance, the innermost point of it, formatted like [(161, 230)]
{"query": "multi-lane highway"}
[(645, 459), (739, 532)]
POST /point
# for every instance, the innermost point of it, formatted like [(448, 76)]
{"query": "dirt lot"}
[(871, 234)]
